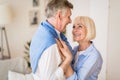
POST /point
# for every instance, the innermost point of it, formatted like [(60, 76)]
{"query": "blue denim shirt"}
[(88, 66)]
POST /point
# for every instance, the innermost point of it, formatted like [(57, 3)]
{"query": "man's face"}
[(65, 20)]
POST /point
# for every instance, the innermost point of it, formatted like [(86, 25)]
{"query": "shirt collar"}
[(87, 51)]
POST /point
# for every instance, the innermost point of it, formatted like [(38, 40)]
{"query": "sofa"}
[(15, 69)]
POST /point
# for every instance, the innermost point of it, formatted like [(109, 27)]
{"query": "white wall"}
[(113, 64), (99, 12)]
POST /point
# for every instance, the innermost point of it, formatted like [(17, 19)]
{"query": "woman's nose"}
[(74, 29)]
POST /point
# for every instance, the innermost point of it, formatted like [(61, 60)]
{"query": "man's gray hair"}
[(54, 5)]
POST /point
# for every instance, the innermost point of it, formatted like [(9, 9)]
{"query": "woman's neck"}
[(84, 45)]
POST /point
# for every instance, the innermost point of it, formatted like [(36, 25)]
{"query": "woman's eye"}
[(73, 26), (80, 26)]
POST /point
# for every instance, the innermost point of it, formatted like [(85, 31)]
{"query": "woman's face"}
[(79, 30)]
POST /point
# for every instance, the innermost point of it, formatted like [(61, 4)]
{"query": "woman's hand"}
[(65, 55), (64, 50)]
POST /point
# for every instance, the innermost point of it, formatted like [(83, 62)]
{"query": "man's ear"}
[(59, 14)]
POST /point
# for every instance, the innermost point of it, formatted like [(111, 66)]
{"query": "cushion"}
[(18, 64), (19, 76)]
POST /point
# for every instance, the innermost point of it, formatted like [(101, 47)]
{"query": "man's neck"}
[(52, 21)]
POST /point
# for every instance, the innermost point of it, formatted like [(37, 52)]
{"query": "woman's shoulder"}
[(94, 51)]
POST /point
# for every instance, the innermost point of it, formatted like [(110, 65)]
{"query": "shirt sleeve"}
[(48, 66), (89, 70)]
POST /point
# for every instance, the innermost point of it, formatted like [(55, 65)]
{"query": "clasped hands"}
[(66, 57), (64, 51)]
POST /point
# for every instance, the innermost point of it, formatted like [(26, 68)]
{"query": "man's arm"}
[(48, 66)]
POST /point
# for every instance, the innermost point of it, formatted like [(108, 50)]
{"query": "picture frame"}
[(36, 3), (34, 17)]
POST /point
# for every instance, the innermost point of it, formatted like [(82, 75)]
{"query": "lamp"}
[(5, 18)]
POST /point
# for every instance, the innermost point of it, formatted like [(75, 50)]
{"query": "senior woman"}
[(87, 60)]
